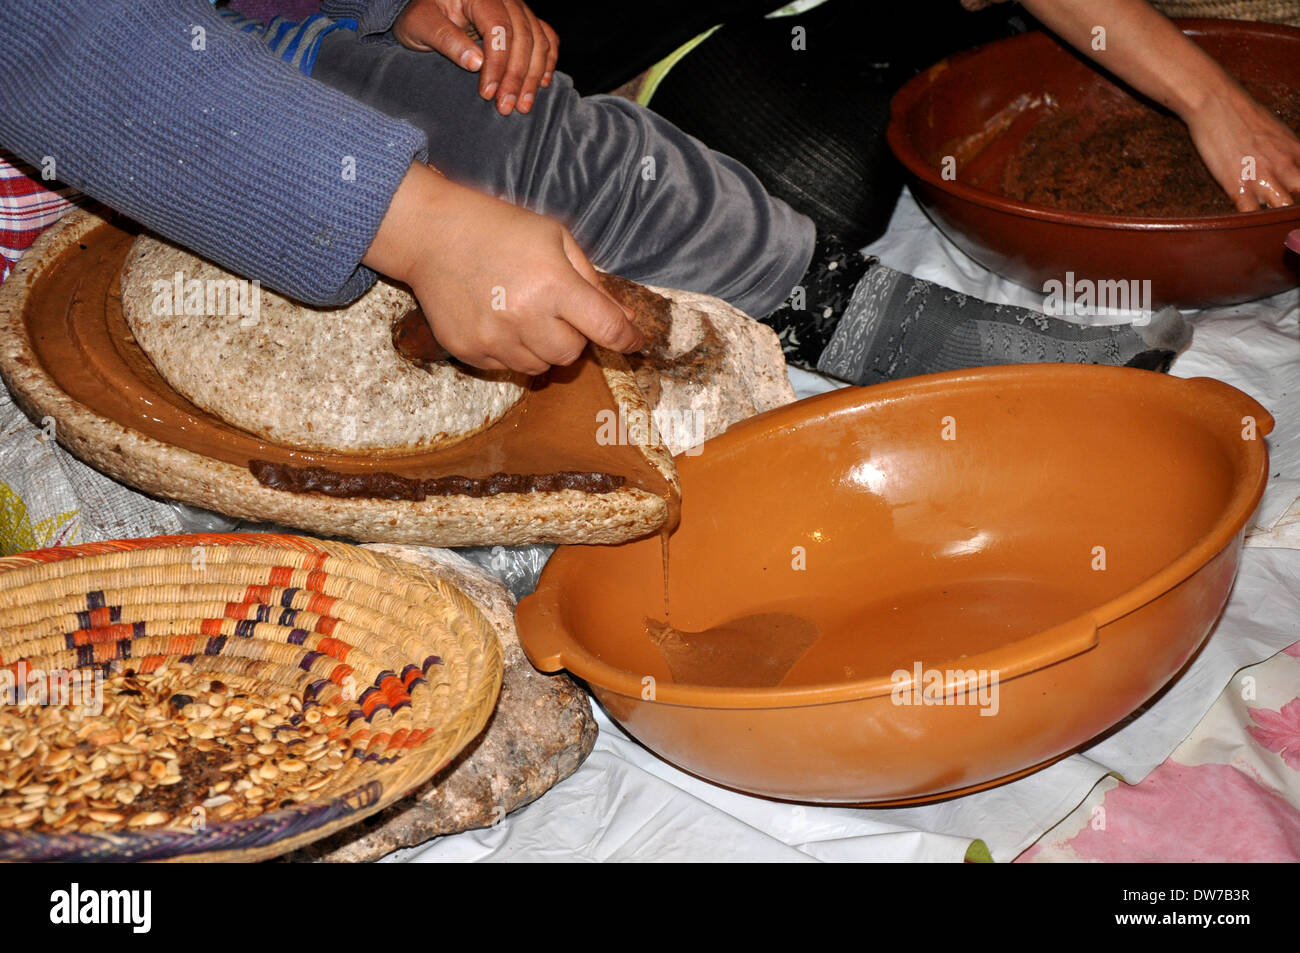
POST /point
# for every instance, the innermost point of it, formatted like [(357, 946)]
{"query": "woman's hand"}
[(502, 287), (1235, 135), (1250, 153), (518, 50)]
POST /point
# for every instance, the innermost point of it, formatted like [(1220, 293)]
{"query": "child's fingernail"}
[(471, 59), (546, 80), (490, 91), (1293, 240), (526, 103), (507, 104)]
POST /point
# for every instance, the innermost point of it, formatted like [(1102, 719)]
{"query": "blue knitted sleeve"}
[(161, 110), (372, 16)]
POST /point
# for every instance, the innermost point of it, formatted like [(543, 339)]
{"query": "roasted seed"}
[(147, 819), (106, 737)]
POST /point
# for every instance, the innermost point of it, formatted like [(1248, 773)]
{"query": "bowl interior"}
[(923, 520), (980, 106)]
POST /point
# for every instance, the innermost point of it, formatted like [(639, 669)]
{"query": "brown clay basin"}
[(982, 103), (1056, 541)]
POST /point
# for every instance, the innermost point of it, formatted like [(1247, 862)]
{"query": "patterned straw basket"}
[(343, 676)]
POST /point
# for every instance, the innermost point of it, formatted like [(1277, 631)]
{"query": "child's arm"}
[(537, 296), (161, 110)]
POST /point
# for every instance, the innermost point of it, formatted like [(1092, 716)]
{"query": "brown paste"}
[(1127, 158)]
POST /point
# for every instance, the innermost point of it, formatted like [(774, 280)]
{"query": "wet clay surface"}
[(547, 441), (1116, 155)]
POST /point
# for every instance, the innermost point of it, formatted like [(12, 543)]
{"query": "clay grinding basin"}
[(1077, 535), (1191, 262)]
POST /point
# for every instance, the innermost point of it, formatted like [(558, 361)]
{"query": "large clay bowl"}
[(1191, 262), (1077, 535)]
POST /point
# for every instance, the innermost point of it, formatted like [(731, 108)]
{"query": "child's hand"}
[(518, 50), (502, 287)]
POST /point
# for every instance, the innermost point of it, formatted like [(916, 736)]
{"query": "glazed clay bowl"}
[(1065, 534), (968, 104)]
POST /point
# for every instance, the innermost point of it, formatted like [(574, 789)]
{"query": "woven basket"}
[(410, 658)]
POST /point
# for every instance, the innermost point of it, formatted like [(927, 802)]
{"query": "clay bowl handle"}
[(1218, 395), (537, 620), (1029, 654)]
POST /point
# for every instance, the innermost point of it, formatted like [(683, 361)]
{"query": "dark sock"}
[(807, 319), (898, 326)]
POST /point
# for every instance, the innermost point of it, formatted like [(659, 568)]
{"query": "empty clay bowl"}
[(967, 103), (1055, 540)]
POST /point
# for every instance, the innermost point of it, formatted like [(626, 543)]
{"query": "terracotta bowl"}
[(1191, 262), (1063, 536)]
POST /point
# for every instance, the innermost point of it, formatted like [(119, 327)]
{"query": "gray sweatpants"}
[(642, 198)]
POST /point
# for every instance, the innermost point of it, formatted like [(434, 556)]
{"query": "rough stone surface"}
[(540, 733), (299, 376)]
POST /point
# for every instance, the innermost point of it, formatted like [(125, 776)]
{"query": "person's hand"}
[(518, 50), (1236, 136), (501, 287), (1248, 150)]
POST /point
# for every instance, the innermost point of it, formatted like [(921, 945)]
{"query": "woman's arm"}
[(1234, 134)]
